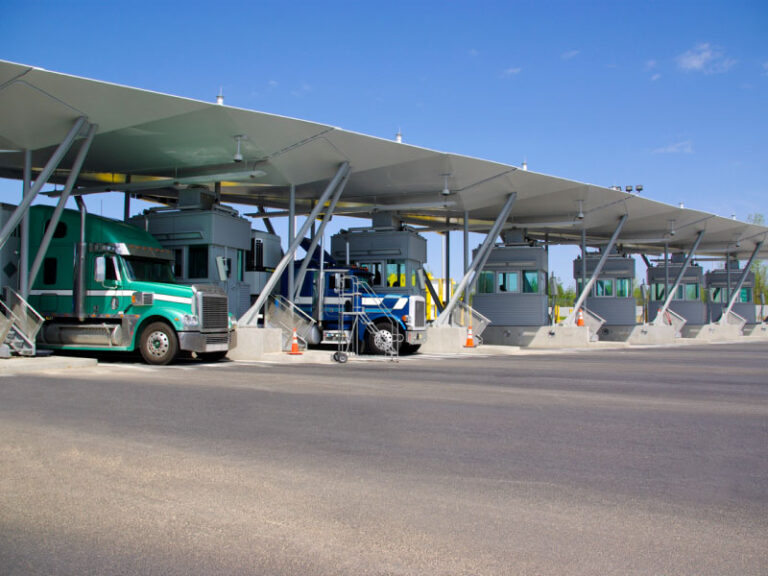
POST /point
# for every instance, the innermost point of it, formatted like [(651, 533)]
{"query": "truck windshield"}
[(149, 270)]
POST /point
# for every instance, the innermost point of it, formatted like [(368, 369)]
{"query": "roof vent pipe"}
[(220, 96), (399, 136)]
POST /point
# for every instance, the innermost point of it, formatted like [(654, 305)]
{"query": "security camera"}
[(671, 232), (238, 157)]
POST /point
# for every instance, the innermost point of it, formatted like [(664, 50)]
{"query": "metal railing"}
[(734, 319), (25, 323), (594, 322), (672, 318), (466, 316), (283, 314)]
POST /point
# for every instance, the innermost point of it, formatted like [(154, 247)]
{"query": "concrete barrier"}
[(444, 340), (538, 336), (254, 342)]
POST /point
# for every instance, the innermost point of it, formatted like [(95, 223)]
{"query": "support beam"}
[(71, 179), (479, 261), (250, 317), (291, 231), (671, 292), (267, 221), (599, 268), (24, 282), (318, 234), (42, 178), (447, 260), (466, 253), (742, 277)]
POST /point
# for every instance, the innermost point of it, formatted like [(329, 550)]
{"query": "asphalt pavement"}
[(625, 461)]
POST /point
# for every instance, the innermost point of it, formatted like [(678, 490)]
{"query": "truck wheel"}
[(384, 338), (159, 344)]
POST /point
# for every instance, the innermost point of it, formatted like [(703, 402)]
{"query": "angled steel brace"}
[(742, 277), (71, 179), (571, 319), (249, 318), (299, 279), (479, 260), (673, 288), (42, 178)]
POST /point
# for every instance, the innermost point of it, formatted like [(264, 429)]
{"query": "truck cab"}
[(348, 310), (116, 291)]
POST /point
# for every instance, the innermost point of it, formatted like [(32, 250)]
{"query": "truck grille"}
[(213, 312), (419, 313)]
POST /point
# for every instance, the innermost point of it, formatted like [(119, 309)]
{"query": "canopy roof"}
[(155, 144)]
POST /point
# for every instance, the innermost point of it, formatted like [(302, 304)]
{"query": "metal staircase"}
[(355, 297), (283, 314), (19, 324)]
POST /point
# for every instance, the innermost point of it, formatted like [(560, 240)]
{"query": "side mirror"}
[(100, 269)]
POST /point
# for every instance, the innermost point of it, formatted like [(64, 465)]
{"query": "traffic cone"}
[(470, 340), (580, 318), (295, 345)]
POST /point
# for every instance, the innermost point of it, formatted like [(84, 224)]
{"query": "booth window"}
[(485, 283), (692, 291), (198, 261), (531, 281), (746, 295), (604, 287), (509, 282), (622, 288), (178, 263), (375, 269), (395, 273)]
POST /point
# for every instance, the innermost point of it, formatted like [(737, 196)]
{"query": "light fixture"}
[(639, 188), (238, 157), (446, 191), (580, 215), (628, 188)]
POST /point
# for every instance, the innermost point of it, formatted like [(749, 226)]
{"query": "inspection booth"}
[(720, 285), (612, 294), (209, 242), (392, 254), (511, 291), (686, 300)]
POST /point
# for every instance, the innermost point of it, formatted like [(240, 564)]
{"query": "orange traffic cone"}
[(295, 345), (580, 318), (470, 339)]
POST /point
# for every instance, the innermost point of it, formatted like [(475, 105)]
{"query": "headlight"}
[(232, 321), (190, 321)]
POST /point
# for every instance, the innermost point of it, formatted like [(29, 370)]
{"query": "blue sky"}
[(671, 95)]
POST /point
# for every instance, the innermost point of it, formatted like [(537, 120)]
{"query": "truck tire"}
[(378, 342), (158, 344), (409, 348)]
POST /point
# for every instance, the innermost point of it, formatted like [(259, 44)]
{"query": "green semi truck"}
[(107, 285)]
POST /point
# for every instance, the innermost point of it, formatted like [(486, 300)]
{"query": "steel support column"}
[(599, 268), (447, 259), (318, 234), (251, 315), (291, 231), (40, 181), (466, 253), (24, 282), (742, 277), (671, 292), (479, 261), (71, 179)]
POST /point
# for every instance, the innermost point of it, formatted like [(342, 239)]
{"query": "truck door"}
[(105, 296)]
